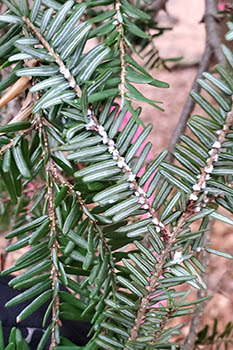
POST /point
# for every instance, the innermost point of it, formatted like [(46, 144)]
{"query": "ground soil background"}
[(187, 39)]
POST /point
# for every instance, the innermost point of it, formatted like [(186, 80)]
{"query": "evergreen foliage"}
[(87, 201)]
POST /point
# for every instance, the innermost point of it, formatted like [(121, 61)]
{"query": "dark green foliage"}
[(214, 337)]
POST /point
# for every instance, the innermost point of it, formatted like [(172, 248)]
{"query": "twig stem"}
[(153, 281), (173, 235), (122, 54), (54, 248), (189, 104), (49, 48), (54, 252), (191, 338)]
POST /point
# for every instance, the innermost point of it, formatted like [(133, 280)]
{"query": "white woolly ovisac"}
[(178, 258), (196, 187), (208, 169), (216, 144), (193, 197)]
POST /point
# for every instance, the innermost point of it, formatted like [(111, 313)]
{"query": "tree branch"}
[(158, 5), (122, 55), (191, 338), (189, 104), (53, 236), (63, 70), (212, 35), (212, 48), (191, 207)]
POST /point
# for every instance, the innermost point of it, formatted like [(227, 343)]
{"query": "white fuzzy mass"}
[(178, 258)]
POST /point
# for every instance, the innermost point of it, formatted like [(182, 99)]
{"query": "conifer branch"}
[(153, 281), (63, 70), (54, 172), (158, 5), (163, 325), (93, 120), (54, 270), (53, 241), (189, 104), (205, 173), (119, 315), (212, 48), (190, 209), (15, 90), (22, 133), (122, 52), (196, 320), (59, 177), (138, 191)]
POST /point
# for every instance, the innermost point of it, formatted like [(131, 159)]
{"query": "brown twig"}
[(22, 115), (59, 62), (212, 35), (15, 90), (189, 104), (196, 320), (54, 270), (212, 48), (153, 281), (122, 54), (158, 5), (60, 178), (10, 95), (11, 143), (54, 248)]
